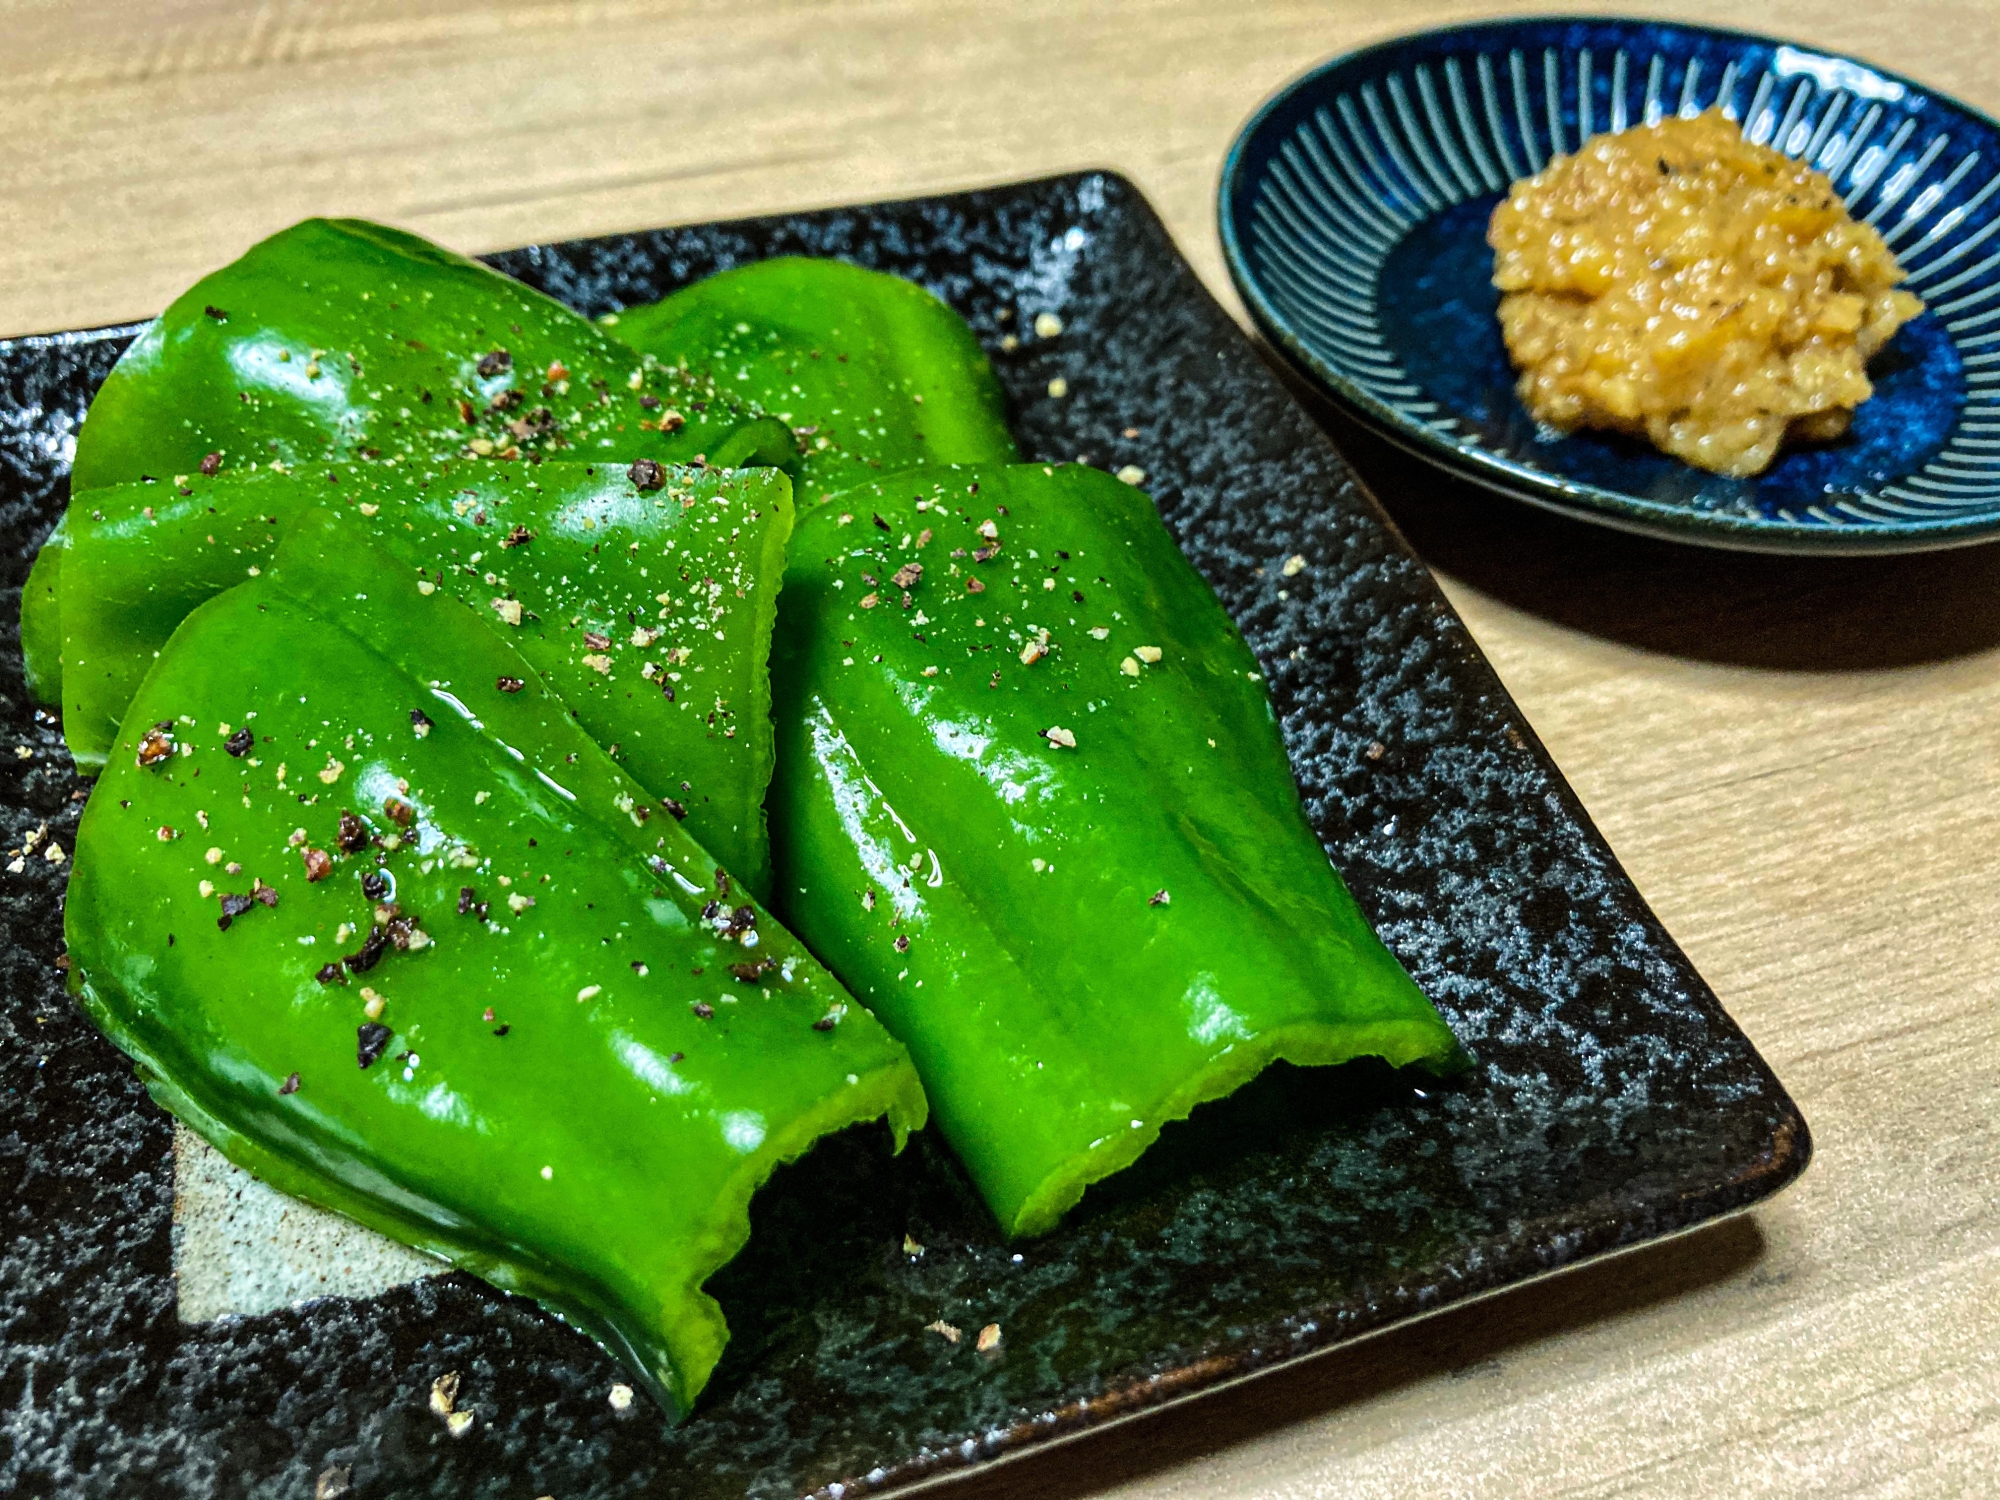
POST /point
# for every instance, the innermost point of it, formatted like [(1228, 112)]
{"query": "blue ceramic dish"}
[(1354, 209)]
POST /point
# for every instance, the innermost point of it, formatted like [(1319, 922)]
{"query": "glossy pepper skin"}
[(337, 336), (1069, 870), (875, 372), (478, 1005), (647, 607), (338, 339)]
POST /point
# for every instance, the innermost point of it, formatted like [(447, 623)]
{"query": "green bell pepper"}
[(337, 339), (41, 620), (649, 610), (874, 372), (381, 924), (1032, 806)]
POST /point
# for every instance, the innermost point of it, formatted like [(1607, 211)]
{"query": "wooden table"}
[(1796, 761)]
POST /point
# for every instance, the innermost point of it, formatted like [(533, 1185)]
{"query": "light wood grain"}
[(1797, 763)]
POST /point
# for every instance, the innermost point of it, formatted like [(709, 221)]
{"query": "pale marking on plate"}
[(242, 1247)]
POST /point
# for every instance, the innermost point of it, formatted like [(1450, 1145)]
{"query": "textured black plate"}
[(1613, 1101)]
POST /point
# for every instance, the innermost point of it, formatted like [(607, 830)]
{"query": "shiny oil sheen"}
[(1032, 807), (597, 1049), (339, 339), (872, 371), (648, 609), (338, 335)]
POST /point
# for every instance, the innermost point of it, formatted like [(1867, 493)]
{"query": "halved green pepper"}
[(1032, 806), (875, 372), (337, 339), (382, 925), (649, 609)]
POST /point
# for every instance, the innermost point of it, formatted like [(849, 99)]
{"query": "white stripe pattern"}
[(1355, 178)]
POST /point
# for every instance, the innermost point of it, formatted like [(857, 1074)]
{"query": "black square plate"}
[(1613, 1101)]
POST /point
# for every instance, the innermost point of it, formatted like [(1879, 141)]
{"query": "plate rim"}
[(1492, 471), (942, 1481)]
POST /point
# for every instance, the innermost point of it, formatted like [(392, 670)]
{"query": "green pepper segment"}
[(41, 621), (875, 372), (649, 609), (381, 924), (337, 339), (1032, 806)]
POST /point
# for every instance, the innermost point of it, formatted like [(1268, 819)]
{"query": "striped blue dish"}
[(1353, 214)]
